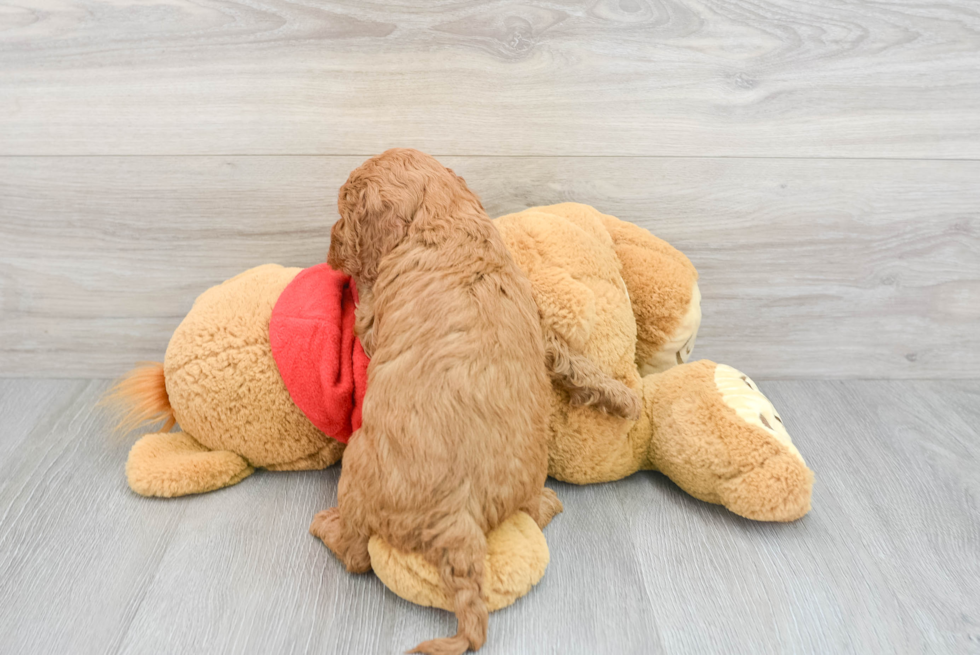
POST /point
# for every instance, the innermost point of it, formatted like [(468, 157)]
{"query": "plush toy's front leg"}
[(169, 464), (321, 459), (720, 439)]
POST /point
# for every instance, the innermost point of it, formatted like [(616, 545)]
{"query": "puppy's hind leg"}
[(349, 545), (544, 508)]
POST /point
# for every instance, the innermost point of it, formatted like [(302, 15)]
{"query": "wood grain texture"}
[(896, 78), (70, 578), (809, 268), (25, 403), (886, 562)]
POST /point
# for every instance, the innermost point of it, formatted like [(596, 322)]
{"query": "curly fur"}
[(586, 383), (455, 415)]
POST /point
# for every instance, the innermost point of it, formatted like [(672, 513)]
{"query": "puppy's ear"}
[(344, 254), (467, 196), (374, 222)]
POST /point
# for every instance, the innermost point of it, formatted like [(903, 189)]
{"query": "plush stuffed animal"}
[(265, 366)]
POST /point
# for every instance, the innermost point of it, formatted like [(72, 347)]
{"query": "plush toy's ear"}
[(517, 556)]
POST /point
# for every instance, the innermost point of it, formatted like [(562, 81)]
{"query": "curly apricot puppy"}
[(454, 429)]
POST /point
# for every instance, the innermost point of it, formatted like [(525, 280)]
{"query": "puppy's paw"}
[(550, 506), (326, 527), (350, 548)]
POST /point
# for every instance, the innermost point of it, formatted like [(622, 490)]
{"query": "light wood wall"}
[(819, 163)]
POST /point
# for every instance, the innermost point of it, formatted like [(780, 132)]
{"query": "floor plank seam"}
[(144, 592), (484, 156)]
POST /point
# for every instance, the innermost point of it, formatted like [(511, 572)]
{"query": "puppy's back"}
[(460, 359)]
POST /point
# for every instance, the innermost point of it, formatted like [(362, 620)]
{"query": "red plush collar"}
[(320, 360)]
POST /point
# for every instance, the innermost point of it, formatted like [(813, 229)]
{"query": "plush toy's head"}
[(630, 301)]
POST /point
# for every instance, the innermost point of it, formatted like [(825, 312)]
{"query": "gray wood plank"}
[(242, 574), (903, 496), (767, 78), (25, 403), (809, 268), (77, 548), (962, 397), (886, 562)]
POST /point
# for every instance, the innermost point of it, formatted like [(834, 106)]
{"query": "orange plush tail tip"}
[(140, 398)]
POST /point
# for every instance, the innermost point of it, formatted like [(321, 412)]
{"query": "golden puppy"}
[(454, 418)]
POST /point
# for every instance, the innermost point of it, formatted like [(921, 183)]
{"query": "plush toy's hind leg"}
[(663, 290), (720, 439), (169, 464)]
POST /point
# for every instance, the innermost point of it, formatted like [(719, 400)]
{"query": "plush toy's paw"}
[(664, 295), (779, 488), (721, 440), (517, 556), (170, 464)]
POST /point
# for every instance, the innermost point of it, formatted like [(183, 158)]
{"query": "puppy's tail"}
[(140, 398), (459, 555), (585, 382)]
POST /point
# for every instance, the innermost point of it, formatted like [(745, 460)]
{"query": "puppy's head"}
[(385, 199)]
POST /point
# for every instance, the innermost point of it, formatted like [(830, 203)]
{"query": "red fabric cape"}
[(319, 358)]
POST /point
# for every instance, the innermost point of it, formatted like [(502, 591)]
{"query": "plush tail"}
[(459, 558), (585, 382), (140, 398)]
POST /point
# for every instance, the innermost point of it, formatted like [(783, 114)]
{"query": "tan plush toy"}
[(631, 303), (623, 297)]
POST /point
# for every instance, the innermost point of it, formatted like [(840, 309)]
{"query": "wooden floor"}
[(819, 162), (888, 560)]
